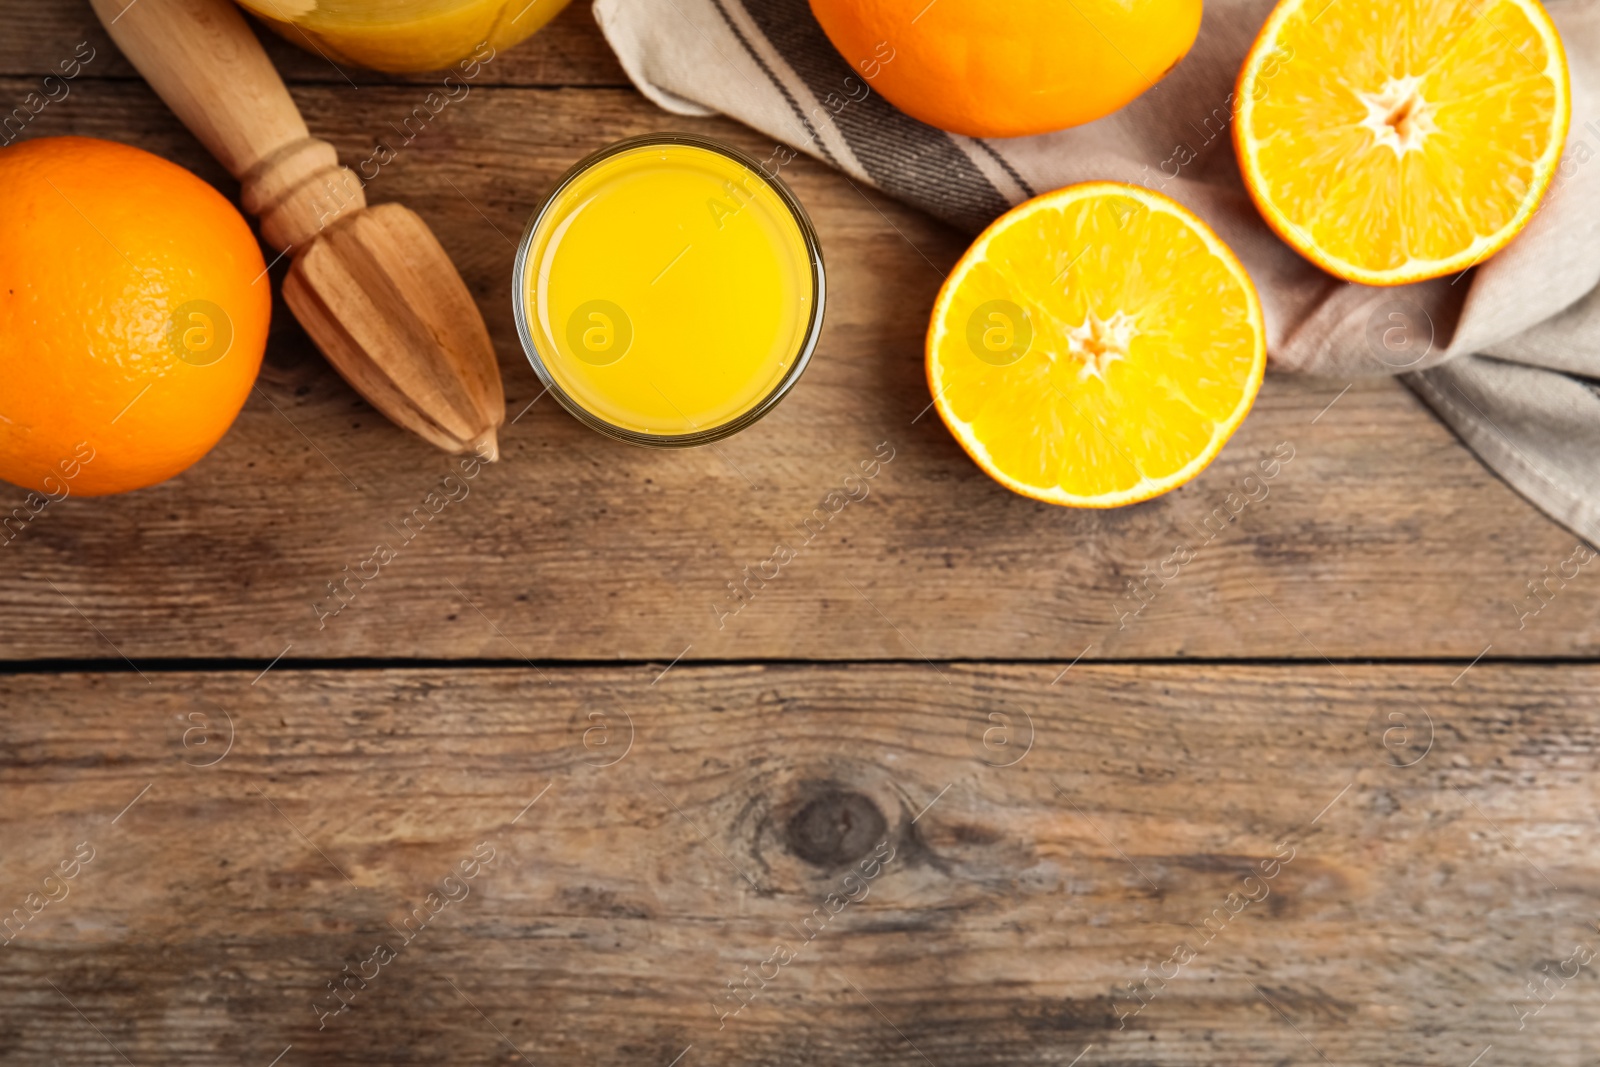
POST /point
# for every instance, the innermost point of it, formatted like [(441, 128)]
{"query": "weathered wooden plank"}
[(688, 825), (40, 36), (1381, 536)]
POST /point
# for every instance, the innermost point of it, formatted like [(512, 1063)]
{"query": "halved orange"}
[(1096, 346), (1391, 141)]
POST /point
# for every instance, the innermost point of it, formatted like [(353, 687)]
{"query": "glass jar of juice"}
[(404, 35), (670, 291)]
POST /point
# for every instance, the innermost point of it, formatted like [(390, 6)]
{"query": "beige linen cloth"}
[(1507, 354)]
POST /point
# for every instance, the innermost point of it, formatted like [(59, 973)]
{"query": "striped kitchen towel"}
[(1506, 355)]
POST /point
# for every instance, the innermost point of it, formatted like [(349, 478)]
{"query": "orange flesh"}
[(1145, 346), (1392, 142)]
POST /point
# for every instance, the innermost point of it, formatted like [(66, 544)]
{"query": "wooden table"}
[(944, 790)]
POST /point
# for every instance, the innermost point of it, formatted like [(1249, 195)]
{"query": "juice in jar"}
[(669, 292), (404, 35)]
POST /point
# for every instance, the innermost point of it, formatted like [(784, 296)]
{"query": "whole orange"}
[(133, 315), (1006, 68)]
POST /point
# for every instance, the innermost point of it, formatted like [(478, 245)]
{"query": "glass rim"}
[(744, 419)]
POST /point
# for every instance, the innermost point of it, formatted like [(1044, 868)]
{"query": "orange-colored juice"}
[(669, 292), (405, 35)]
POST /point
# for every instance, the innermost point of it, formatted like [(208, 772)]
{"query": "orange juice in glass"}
[(670, 291), (405, 35)]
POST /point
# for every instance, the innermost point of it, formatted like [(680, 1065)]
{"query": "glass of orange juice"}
[(670, 290), (405, 35)]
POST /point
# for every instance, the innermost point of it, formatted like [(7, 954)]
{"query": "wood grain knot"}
[(835, 828)]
